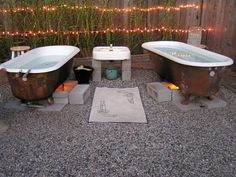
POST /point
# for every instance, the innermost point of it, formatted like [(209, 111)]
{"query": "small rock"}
[(3, 127)]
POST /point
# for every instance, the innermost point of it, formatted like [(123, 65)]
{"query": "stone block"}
[(61, 97), (79, 94), (97, 75), (60, 94), (97, 65), (193, 105), (15, 104), (126, 65), (53, 108), (126, 75), (214, 103), (159, 92), (176, 95), (62, 100)]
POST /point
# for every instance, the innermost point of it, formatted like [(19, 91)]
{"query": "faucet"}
[(24, 78), (111, 47)]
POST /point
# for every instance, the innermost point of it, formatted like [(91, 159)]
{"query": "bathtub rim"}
[(223, 60), (6, 65)]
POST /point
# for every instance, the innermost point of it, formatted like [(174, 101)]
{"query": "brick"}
[(126, 65), (79, 94), (62, 100), (60, 94), (97, 65), (159, 92), (97, 75), (214, 103), (126, 75)]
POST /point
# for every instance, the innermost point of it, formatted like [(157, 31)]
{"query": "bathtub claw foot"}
[(186, 100), (210, 98), (50, 101)]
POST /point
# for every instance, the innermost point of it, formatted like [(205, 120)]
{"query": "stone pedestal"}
[(159, 92), (97, 70), (112, 53), (126, 70), (79, 94)]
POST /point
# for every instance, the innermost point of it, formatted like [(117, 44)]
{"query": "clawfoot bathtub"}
[(195, 71), (36, 74)]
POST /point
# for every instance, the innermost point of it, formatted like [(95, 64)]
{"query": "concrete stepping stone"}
[(54, 107), (79, 94), (159, 92)]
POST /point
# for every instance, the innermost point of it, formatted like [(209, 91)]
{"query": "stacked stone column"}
[(126, 70), (97, 70)]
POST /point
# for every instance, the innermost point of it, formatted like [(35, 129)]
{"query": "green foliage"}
[(86, 19)]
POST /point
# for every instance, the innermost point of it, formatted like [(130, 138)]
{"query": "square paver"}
[(79, 94), (193, 105), (214, 103), (16, 105), (159, 92), (54, 107)]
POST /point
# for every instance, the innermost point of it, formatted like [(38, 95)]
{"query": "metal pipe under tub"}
[(36, 74)]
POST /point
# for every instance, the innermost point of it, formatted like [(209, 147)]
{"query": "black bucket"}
[(83, 74)]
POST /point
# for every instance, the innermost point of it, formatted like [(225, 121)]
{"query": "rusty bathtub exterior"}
[(194, 76), (197, 81), (36, 74), (38, 85)]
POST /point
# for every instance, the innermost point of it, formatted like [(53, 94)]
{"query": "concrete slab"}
[(61, 94), (126, 65), (53, 108), (193, 105), (97, 65), (176, 95), (79, 94), (126, 75), (159, 92), (97, 75), (62, 100), (3, 127), (214, 103), (16, 105)]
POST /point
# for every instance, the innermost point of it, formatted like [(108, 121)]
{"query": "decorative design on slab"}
[(103, 108), (117, 105), (104, 111), (129, 95)]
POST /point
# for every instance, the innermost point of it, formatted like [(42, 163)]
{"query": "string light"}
[(108, 30), (101, 9)]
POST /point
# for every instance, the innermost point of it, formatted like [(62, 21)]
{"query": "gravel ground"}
[(194, 143)]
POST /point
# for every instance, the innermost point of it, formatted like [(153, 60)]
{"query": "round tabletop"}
[(20, 48)]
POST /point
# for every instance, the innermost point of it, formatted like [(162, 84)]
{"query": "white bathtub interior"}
[(42, 62), (186, 54), (43, 59)]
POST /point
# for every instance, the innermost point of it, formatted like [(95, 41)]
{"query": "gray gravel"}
[(194, 143)]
